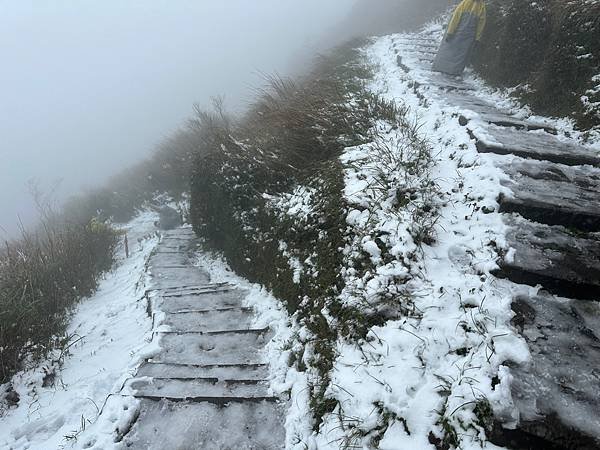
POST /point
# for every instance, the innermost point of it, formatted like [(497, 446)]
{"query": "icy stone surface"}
[(164, 277), (534, 145), (563, 263), (225, 348), (221, 372), (185, 426), (206, 386), (168, 258), (556, 400), (210, 320), (554, 194), (214, 390), (198, 302), (489, 112), (446, 82)]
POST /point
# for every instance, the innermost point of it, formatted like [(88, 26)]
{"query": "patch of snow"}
[(436, 364), (108, 333)]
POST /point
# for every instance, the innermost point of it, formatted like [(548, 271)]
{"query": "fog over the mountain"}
[(88, 87)]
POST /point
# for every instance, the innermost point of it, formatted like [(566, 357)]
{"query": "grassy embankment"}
[(268, 192)]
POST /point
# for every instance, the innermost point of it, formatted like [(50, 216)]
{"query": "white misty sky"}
[(89, 87)]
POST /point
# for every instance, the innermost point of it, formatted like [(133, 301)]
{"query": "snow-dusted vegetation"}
[(63, 395), (548, 52), (351, 230)]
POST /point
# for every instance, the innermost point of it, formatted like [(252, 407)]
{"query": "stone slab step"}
[(195, 388), (416, 51), (563, 263), (190, 286), (425, 44), (197, 302), (217, 332), (490, 113), (422, 62), (533, 145), (185, 289), (210, 320), (187, 425), (212, 349), (220, 372), (554, 194), (171, 258), (182, 232), (422, 39), (446, 82), (171, 244), (557, 392), (174, 277)]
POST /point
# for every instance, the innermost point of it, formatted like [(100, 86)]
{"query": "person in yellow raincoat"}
[(464, 30)]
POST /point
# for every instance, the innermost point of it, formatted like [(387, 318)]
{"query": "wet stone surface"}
[(554, 194), (558, 402), (532, 144), (564, 263)]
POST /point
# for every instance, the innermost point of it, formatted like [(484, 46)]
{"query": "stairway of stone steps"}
[(207, 387), (553, 219)]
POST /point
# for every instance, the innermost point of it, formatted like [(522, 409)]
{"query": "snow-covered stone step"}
[(554, 194), (535, 145), (187, 425), (556, 393), (174, 244), (220, 372), (197, 302), (414, 39), (490, 113), (415, 51), (190, 287), (168, 258), (210, 320), (445, 82), (563, 263), (422, 44), (185, 272), (213, 348), (181, 232), (169, 280), (204, 389)]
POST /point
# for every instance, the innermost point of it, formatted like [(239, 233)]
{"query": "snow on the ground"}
[(432, 369), (426, 371), (108, 333)]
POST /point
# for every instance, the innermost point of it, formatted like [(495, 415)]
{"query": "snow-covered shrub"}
[(42, 275), (549, 47)]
